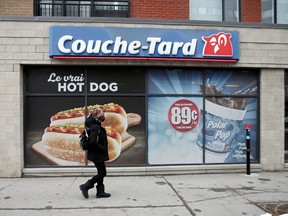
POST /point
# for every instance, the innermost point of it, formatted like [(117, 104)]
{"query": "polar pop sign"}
[(139, 43), (183, 115)]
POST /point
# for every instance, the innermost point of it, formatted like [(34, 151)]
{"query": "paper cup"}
[(221, 127)]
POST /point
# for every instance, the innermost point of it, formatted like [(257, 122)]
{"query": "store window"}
[(214, 10), (59, 98), (274, 11), (197, 116), (154, 116)]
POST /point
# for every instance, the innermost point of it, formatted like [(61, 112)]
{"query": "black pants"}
[(101, 173)]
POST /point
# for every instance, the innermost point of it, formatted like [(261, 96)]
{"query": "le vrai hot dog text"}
[(71, 83)]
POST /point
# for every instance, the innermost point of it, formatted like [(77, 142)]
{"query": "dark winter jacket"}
[(97, 151)]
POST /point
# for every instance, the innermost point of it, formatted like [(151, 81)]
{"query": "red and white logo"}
[(218, 45)]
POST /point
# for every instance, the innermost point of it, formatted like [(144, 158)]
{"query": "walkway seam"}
[(180, 197)]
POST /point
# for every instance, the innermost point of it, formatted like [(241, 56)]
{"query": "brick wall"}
[(251, 11), (16, 7), (160, 9)]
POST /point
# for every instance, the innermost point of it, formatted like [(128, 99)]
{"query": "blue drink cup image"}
[(221, 127)]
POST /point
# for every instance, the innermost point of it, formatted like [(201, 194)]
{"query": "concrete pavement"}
[(169, 195)]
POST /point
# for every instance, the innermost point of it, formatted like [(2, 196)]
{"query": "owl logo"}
[(218, 45)]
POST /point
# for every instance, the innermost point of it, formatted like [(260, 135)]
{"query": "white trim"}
[(149, 170)]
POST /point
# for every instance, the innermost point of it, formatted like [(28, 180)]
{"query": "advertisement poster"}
[(164, 116), (231, 103), (172, 130), (58, 100), (219, 104)]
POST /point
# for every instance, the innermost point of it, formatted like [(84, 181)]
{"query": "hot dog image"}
[(115, 116), (62, 141)]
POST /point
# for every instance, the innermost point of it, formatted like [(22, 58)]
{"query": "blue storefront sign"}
[(144, 43)]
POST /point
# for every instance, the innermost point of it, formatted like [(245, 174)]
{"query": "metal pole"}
[(248, 149)]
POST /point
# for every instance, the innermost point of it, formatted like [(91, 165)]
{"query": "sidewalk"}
[(170, 195)]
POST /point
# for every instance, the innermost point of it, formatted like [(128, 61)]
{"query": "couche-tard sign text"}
[(135, 43)]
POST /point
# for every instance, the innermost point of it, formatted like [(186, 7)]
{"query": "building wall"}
[(272, 118), (27, 42), (16, 8), (155, 9)]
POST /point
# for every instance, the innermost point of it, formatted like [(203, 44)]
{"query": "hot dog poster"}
[(58, 100)]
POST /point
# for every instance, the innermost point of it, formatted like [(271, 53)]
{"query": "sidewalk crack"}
[(10, 184), (180, 197)]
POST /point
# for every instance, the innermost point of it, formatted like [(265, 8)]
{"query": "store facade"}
[(177, 98)]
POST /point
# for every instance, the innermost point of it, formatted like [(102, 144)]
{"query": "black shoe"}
[(101, 192), (85, 187)]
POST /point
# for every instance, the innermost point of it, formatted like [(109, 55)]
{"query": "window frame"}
[(66, 8), (274, 14), (223, 18)]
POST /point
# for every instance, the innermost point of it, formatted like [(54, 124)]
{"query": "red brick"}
[(161, 9), (251, 10)]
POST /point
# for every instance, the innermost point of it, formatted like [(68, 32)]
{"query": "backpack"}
[(84, 140)]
